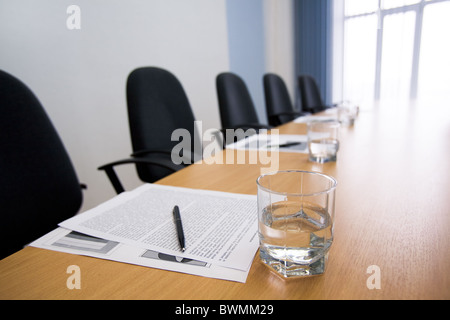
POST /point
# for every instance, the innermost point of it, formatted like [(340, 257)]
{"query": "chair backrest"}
[(38, 184), (310, 94), (157, 106), (235, 103), (278, 101)]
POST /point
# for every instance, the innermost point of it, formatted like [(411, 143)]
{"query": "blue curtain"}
[(313, 23)]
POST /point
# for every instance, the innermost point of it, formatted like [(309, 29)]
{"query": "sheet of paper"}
[(307, 119), (72, 242), (329, 114), (219, 228), (297, 143)]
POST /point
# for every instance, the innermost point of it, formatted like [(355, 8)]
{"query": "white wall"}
[(80, 75)]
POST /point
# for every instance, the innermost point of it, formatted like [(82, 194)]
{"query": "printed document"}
[(73, 242), (270, 142), (219, 228)]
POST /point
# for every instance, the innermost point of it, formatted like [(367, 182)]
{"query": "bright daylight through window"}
[(396, 50)]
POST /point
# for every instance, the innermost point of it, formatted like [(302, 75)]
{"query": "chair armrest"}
[(292, 113), (109, 169), (325, 107), (141, 153), (319, 109)]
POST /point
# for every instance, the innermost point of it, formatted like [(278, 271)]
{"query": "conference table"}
[(392, 222)]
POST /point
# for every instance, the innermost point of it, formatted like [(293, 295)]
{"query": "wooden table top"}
[(392, 211)]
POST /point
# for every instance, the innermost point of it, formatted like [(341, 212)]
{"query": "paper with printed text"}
[(219, 228)]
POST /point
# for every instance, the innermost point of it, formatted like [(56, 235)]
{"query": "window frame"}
[(381, 13)]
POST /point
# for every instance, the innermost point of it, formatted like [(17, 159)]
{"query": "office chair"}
[(38, 186), (279, 107), (236, 107), (310, 95), (235, 103), (157, 106)]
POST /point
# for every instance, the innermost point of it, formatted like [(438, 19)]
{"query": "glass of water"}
[(323, 141), (295, 221), (347, 113)]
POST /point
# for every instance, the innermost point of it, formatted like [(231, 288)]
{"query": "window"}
[(434, 66), (397, 55), (396, 49)]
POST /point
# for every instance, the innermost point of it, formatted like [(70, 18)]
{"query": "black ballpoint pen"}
[(179, 225), (286, 145)]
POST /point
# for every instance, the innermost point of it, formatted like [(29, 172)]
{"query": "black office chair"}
[(279, 107), (310, 95), (157, 106), (236, 107), (38, 184)]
